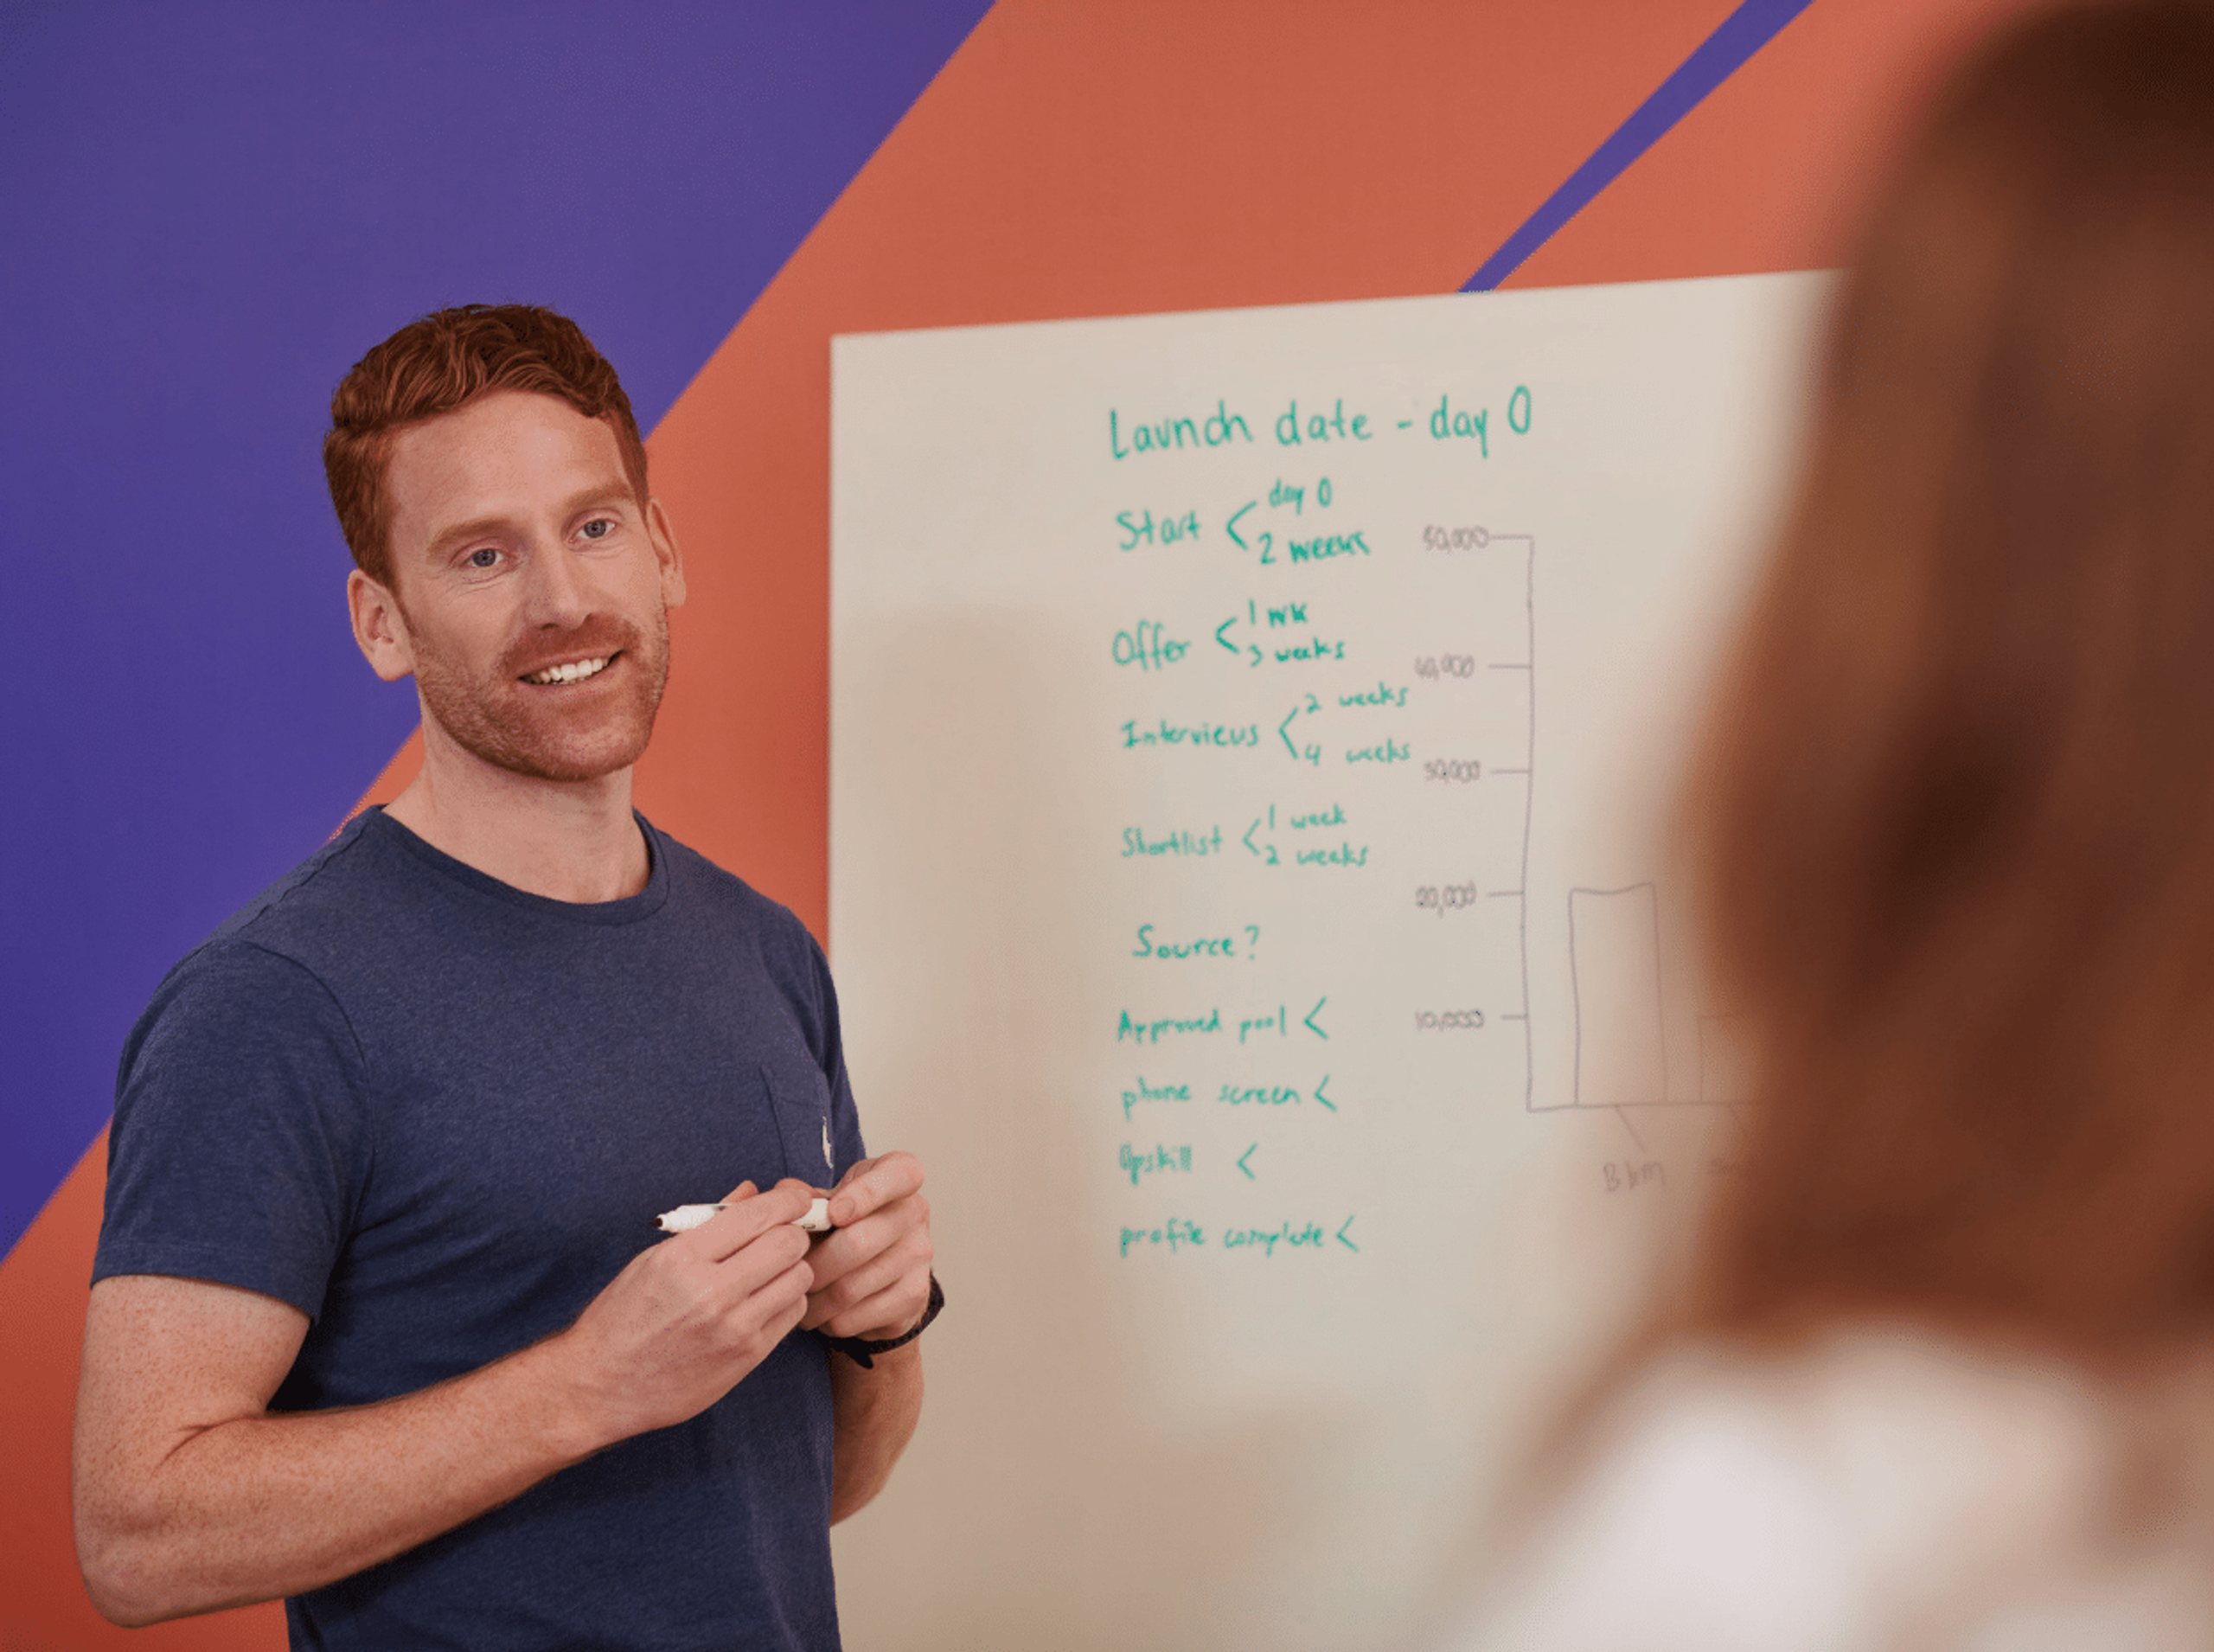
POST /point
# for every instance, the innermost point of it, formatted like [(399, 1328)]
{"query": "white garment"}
[(1883, 1490)]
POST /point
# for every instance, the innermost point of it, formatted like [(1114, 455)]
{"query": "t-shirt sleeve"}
[(238, 1147)]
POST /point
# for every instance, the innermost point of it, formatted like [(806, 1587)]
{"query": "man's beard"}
[(530, 731)]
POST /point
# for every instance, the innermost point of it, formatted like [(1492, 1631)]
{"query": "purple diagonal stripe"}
[(1744, 32)]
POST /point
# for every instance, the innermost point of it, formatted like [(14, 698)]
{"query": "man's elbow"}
[(123, 1576), (849, 1497), (121, 1612), (877, 1416), (117, 1594)]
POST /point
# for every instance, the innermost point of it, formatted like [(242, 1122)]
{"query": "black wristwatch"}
[(863, 1350)]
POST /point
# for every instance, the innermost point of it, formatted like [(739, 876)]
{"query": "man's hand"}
[(873, 1271), (689, 1318), (872, 1279)]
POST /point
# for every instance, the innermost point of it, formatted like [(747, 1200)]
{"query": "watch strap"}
[(863, 1350)]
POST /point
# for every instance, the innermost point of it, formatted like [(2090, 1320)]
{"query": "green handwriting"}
[(1139, 528), (1448, 423), (1389, 751), (1165, 733), (1175, 1232), (1180, 843), (1144, 646), (1152, 1032), (1332, 426), (1196, 946), (1156, 1093), (1172, 431), (1142, 1162)]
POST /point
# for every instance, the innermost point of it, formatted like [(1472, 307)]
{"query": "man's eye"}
[(483, 557), (598, 528)]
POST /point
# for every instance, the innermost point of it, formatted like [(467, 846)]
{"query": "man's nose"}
[(557, 594)]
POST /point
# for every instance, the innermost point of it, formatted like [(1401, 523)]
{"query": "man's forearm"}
[(256, 1508), (191, 1495), (876, 1411)]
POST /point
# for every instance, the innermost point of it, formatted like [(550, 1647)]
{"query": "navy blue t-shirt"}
[(438, 1114)]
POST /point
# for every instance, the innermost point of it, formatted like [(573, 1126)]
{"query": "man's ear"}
[(380, 629), (667, 553)]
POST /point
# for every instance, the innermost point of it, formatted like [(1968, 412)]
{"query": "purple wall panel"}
[(215, 210)]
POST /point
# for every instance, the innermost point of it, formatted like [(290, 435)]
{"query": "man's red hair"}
[(442, 362)]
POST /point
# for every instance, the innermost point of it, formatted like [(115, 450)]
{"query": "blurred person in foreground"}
[(1939, 1377)]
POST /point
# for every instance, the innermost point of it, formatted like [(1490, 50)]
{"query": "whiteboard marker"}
[(685, 1218)]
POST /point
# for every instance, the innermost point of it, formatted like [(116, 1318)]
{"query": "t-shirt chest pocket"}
[(799, 1102)]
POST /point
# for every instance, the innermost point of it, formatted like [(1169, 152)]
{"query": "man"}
[(380, 1322)]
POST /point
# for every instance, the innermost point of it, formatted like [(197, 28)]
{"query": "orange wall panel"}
[(1771, 170), (1078, 160)]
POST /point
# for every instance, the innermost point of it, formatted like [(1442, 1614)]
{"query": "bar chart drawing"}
[(1614, 948)]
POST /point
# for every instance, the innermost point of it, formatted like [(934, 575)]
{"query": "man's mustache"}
[(600, 634)]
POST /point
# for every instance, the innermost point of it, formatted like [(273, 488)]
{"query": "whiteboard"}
[(1252, 736)]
